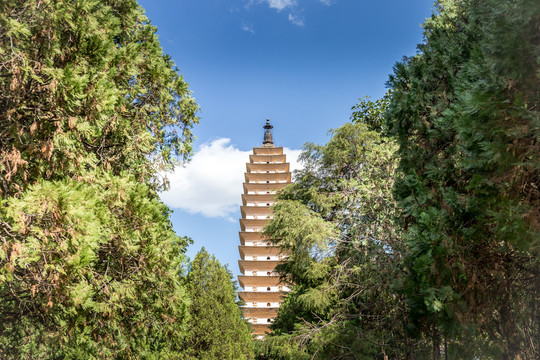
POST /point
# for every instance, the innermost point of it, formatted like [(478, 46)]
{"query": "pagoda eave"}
[(277, 150), (260, 329), (267, 159), (264, 188), (270, 177), (257, 265), (261, 296), (259, 312), (263, 168), (250, 281), (261, 211), (259, 250)]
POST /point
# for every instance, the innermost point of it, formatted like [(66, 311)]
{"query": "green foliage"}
[(216, 329), (91, 111), (372, 113), (89, 270), (465, 114), (337, 222), (279, 348), (85, 85), (304, 235), (451, 268)]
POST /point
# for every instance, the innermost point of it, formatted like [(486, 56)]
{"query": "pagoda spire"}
[(268, 139)]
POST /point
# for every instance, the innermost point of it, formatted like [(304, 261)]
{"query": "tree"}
[(216, 329), (85, 85), (372, 113), (338, 223), (91, 111), (465, 112), (90, 269)]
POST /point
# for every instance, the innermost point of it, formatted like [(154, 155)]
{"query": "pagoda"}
[(266, 172)]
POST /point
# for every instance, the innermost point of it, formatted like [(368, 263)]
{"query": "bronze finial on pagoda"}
[(268, 140)]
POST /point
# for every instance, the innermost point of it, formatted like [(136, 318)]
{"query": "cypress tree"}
[(91, 111), (338, 223), (465, 111), (85, 85), (216, 328)]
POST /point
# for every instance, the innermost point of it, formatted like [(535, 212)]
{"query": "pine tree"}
[(216, 328)]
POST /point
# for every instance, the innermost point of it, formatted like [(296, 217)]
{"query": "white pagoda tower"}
[(266, 172)]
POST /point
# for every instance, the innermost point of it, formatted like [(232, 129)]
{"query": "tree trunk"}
[(509, 326), (410, 349), (445, 348), (436, 339)]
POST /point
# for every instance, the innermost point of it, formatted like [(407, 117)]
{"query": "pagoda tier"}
[(263, 291), (269, 178), (266, 159), (250, 296), (260, 328), (253, 224), (257, 199), (263, 188), (260, 312), (260, 211), (259, 264), (247, 252), (270, 168), (252, 238), (259, 281)]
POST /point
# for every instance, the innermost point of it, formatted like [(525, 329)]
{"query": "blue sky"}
[(302, 63)]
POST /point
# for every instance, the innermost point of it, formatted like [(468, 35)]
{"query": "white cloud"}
[(211, 184), (249, 28), (283, 4), (293, 5), (280, 4), (296, 20), (292, 158)]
